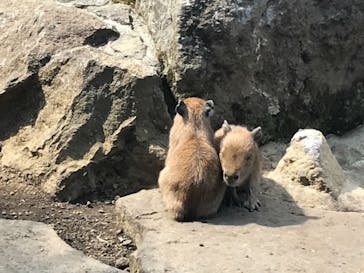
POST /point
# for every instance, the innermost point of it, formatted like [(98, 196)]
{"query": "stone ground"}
[(89, 228), (282, 237), (35, 247)]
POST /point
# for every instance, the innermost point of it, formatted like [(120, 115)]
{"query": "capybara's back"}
[(190, 182)]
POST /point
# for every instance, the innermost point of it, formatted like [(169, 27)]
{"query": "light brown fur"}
[(241, 164), (190, 181)]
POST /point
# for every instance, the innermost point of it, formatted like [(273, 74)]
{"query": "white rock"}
[(310, 162)]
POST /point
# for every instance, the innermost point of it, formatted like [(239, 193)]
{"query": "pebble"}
[(122, 263), (3, 213), (119, 231), (101, 211), (88, 204), (121, 253), (126, 242)]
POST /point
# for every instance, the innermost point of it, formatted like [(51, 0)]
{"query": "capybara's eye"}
[(248, 157)]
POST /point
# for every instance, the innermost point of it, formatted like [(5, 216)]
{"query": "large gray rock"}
[(81, 104), (283, 65), (280, 238), (31, 247)]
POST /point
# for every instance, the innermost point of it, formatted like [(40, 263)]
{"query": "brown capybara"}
[(190, 182), (241, 164)]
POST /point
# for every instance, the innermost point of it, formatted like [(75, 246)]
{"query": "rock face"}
[(35, 247), (309, 161), (283, 65), (349, 151), (280, 238), (84, 100), (81, 107)]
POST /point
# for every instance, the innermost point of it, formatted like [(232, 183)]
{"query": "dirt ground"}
[(90, 228)]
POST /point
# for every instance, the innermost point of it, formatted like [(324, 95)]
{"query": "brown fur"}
[(241, 164), (190, 181)]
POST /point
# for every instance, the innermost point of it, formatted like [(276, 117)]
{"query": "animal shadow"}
[(278, 209)]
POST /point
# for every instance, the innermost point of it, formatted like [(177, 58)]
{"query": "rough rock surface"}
[(308, 166), (309, 161), (272, 152), (81, 106), (352, 198), (282, 237), (28, 246), (283, 65), (349, 151)]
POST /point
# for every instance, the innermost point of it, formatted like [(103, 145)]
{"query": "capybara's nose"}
[(230, 179)]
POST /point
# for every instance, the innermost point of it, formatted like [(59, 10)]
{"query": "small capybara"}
[(241, 164)]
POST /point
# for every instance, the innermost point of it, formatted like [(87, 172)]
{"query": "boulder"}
[(309, 161), (282, 65), (36, 247), (81, 108)]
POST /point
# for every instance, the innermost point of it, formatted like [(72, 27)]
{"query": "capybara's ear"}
[(257, 134), (209, 108), (226, 127), (181, 109)]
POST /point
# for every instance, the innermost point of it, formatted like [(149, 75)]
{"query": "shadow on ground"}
[(278, 209)]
